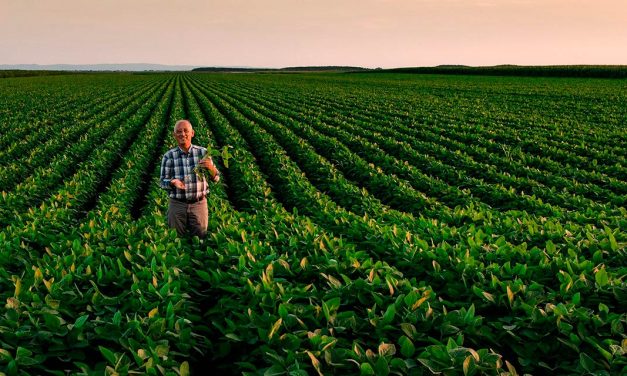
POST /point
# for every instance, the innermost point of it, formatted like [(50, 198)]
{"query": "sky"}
[(282, 33)]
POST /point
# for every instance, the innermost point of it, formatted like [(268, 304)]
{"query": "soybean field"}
[(367, 224)]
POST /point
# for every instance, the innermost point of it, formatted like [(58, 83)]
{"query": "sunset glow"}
[(279, 33)]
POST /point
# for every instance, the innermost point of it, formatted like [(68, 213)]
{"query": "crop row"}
[(304, 313), (30, 189), (545, 232), (496, 153), (62, 299), (21, 148), (34, 116), (564, 110), (394, 117), (312, 263), (329, 145), (466, 156), (267, 161)]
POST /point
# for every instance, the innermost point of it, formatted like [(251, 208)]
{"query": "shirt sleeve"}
[(166, 172)]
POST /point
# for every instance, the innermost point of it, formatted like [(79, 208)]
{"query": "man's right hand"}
[(177, 183)]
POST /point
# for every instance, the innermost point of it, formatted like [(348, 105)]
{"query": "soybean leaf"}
[(81, 321), (601, 277), (108, 354)]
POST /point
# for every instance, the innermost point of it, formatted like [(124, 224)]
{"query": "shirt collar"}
[(192, 146)]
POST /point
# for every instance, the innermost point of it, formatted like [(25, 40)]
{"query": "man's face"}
[(183, 134)]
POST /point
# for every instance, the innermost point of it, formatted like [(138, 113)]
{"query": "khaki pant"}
[(189, 219)]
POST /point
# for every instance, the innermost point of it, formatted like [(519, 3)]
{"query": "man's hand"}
[(208, 164), (177, 183)]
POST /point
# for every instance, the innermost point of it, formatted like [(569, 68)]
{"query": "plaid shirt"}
[(179, 165)]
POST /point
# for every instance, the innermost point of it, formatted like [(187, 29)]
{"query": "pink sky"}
[(279, 33)]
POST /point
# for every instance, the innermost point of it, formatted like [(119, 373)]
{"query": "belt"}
[(188, 201)]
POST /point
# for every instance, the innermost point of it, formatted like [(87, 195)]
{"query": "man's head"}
[(183, 133)]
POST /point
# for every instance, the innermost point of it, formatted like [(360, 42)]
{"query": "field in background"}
[(366, 224)]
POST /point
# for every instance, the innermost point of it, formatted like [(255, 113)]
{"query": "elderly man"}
[(187, 209)]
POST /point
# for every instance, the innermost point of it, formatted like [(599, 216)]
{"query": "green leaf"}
[(438, 353), (612, 239), (451, 344), (298, 372), (407, 346), (587, 362), (5, 356), (381, 367), (601, 277), (329, 307), (26, 361), (560, 310), (108, 354), (388, 317), (117, 318), (225, 155), (283, 311), (274, 371), (607, 355), (233, 336), (576, 299), (162, 350), (23, 352), (409, 329), (366, 369), (52, 321), (470, 314), (203, 275), (80, 321), (550, 247), (398, 365), (12, 368), (333, 304)]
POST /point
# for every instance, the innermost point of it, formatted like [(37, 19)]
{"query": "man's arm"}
[(207, 162), (166, 173), (167, 167)]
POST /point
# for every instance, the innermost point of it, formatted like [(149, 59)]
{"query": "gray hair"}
[(182, 121)]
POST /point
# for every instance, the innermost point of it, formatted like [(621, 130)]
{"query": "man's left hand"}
[(207, 163)]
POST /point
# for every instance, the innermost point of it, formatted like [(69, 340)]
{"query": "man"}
[(187, 209)]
